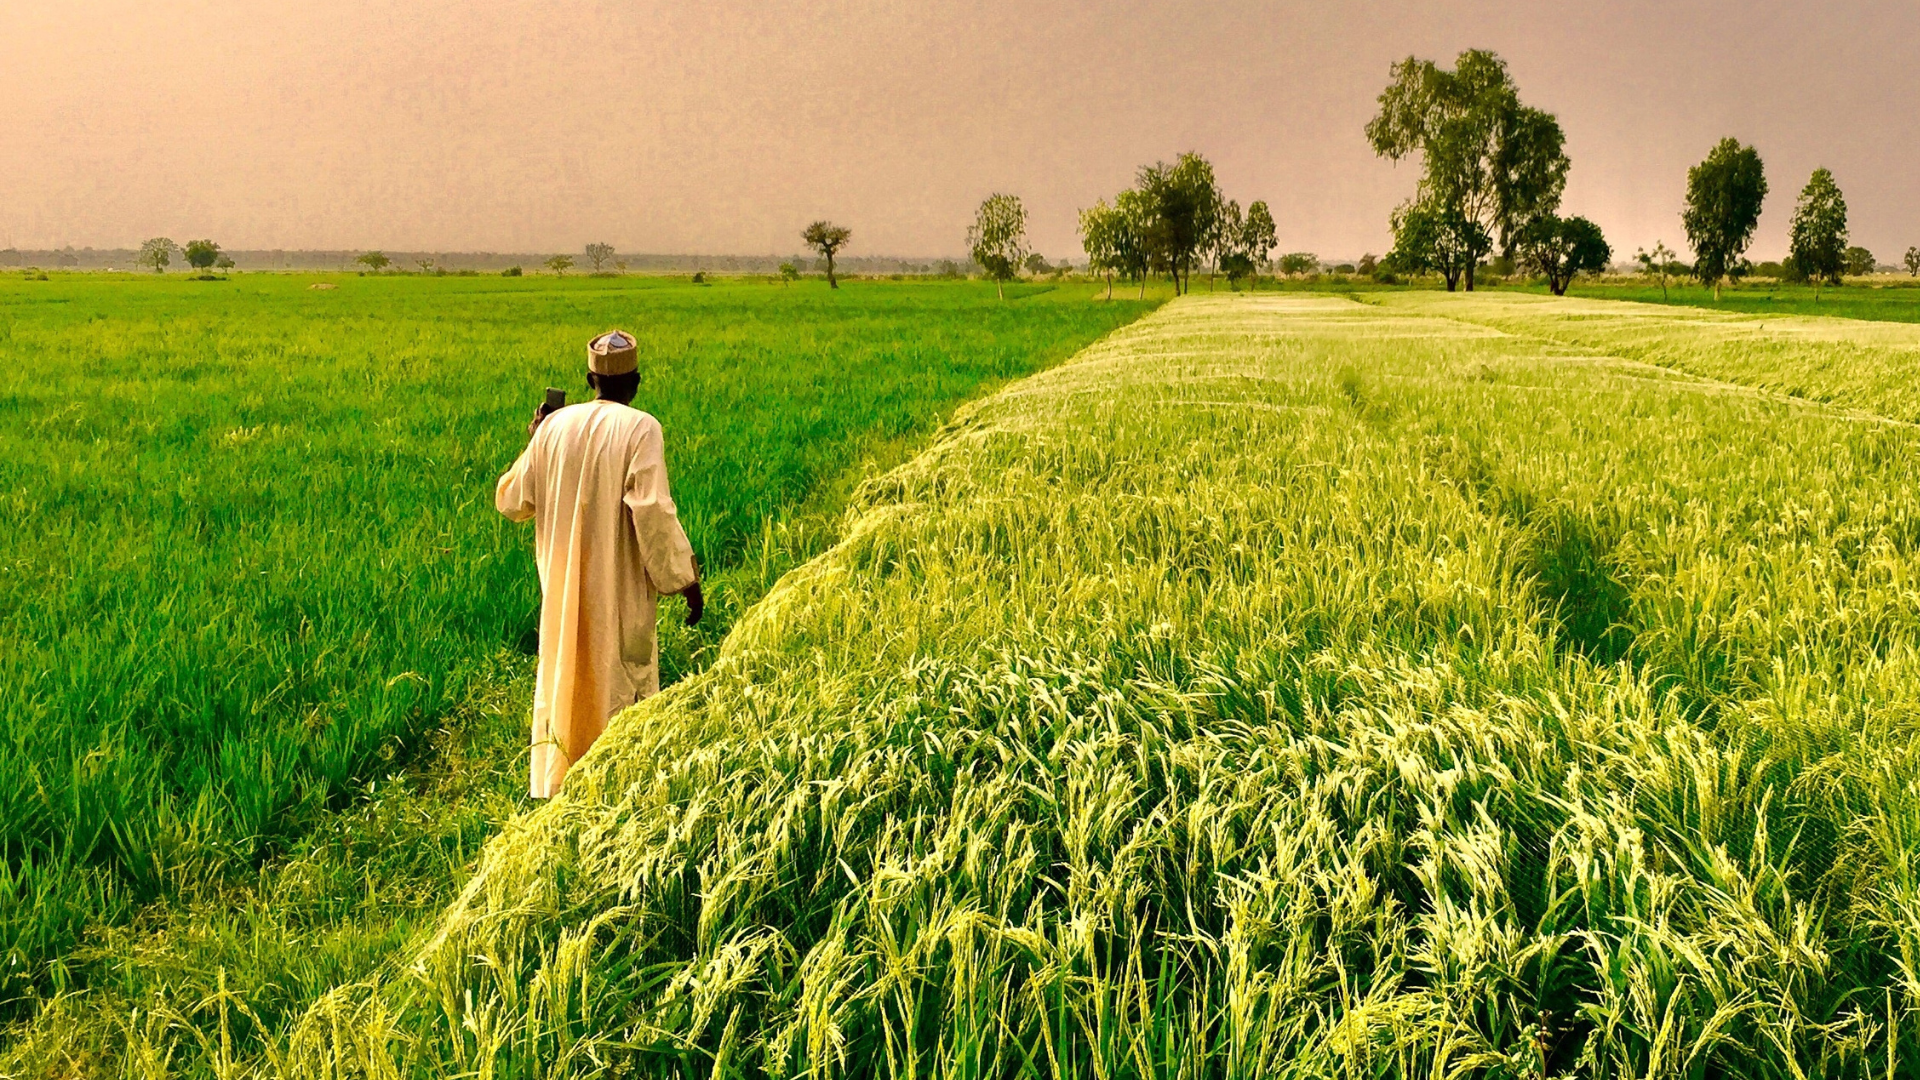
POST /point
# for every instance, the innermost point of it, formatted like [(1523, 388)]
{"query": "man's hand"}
[(696, 603), (540, 413)]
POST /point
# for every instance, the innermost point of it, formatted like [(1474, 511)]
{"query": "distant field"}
[(251, 561), (1287, 686), (1887, 300)]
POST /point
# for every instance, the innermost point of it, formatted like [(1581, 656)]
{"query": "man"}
[(608, 542)]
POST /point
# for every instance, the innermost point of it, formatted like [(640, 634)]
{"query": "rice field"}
[(263, 682), (1284, 687), (1435, 685)]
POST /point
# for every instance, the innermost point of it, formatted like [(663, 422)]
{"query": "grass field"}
[(262, 683), (1287, 686)]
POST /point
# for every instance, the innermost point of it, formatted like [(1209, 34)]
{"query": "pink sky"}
[(721, 127)]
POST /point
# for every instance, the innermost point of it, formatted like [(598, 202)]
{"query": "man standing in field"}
[(608, 543)]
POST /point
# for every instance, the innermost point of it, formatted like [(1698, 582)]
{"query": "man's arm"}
[(664, 549), (513, 495)]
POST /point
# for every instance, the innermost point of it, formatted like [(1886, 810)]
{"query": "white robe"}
[(608, 542)]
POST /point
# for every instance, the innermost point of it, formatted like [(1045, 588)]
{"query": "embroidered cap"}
[(612, 353)]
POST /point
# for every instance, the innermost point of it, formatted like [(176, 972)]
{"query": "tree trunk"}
[(999, 289), (832, 282), (1469, 277), (1109, 285), (1716, 290)]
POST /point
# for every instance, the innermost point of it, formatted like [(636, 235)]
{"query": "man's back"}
[(608, 541)]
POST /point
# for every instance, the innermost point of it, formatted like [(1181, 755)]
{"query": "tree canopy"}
[(827, 238), (1913, 261), (997, 239), (1490, 164), (1561, 247), (1106, 237), (1858, 261), (1818, 236), (202, 254), (157, 253), (598, 254), (374, 260), (1724, 194)]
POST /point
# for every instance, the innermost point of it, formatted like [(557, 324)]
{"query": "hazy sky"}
[(720, 127)]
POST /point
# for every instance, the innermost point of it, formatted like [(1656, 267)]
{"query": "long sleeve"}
[(656, 524), (513, 495)]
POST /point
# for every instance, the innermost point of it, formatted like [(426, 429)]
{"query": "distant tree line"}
[(1172, 220), (1493, 171)]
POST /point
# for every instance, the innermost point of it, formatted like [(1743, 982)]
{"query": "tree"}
[(1661, 260), (1818, 236), (1299, 262), (1858, 261), (1037, 264), (1180, 203), (789, 273), (1257, 237), (1136, 250), (1724, 193), (560, 264), (425, 263), (1487, 159), (202, 254), (1367, 265), (157, 253), (1561, 247), (224, 262), (375, 261), (997, 240), (1913, 261), (1223, 235), (1101, 227), (1429, 238), (598, 254), (827, 238)]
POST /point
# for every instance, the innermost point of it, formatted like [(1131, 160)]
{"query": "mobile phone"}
[(556, 399)]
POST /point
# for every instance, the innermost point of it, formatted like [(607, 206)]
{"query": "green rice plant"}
[(253, 567)]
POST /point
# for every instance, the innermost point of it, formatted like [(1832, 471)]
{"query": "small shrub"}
[(699, 277), (511, 271)]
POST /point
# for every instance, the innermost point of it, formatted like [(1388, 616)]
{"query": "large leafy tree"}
[(1487, 159), (202, 254), (1257, 237), (157, 253), (1106, 237), (1561, 247), (1224, 245), (1913, 261), (1859, 261), (1135, 252), (1724, 194), (827, 238), (997, 240), (1819, 234), (1182, 204)]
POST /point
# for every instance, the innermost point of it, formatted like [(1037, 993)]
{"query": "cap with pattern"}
[(612, 353)]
